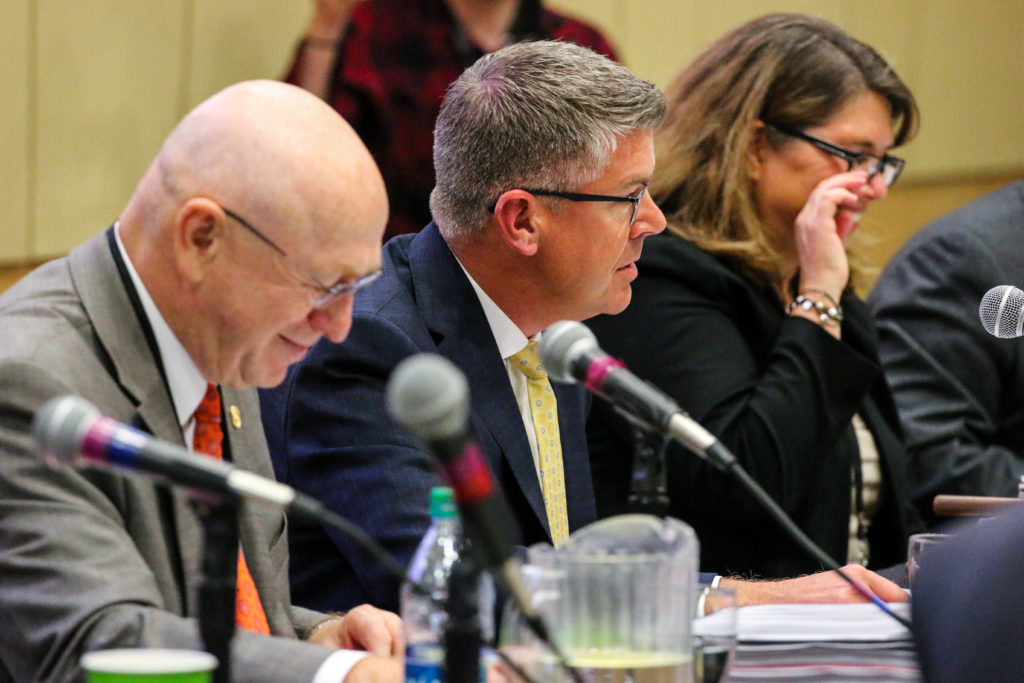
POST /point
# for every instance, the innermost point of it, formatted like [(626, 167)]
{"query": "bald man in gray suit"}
[(184, 292)]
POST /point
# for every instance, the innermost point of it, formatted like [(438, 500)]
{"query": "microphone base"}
[(219, 581), (656, 506), (649, 492)]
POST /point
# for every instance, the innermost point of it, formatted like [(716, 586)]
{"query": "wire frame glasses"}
[(328, 293)]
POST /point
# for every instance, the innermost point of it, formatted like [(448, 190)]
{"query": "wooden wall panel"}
[(661, 42), (108, 87), (238, 40), (971, 86), (15, 129)]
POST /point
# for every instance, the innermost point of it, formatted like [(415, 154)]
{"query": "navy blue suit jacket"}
[(330, 434)]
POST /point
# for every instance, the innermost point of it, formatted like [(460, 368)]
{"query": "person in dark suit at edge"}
[(968, 607), (168, 318), (542, 154), (959, 390)]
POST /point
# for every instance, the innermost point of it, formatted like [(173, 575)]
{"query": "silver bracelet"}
[(828, 314)]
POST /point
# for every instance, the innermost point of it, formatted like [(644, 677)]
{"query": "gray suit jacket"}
[(90, 559), (959, 390)]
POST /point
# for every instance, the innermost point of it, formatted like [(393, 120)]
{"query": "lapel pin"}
[(236, 416)]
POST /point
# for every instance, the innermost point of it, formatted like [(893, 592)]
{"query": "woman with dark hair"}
[(776, 141)]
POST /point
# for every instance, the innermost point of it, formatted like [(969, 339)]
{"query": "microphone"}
[(71, 430), (569, 352), (1000, 311), (428, 395)]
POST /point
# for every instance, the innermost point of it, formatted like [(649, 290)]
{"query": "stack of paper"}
[(860, 622)]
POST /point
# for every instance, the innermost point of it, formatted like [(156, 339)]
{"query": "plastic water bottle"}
[(431, 566)]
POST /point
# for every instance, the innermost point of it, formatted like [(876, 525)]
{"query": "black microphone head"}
[(562, 346), (1000, 311), (428, 395), (60, 425)]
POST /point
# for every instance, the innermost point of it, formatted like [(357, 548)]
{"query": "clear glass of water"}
[(917, 547), (714, 634)]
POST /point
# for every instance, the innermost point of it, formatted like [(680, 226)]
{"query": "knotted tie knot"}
[(209, 435), (528, 362)]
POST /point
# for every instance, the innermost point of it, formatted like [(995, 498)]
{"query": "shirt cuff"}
[(704, 594), (337, 666)]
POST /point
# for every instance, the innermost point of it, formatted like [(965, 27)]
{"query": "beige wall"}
[(91, 88)]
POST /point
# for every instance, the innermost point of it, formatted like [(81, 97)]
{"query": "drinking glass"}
[(917, 547), (714, 634)]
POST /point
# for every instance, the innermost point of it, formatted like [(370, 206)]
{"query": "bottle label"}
[(423, 663)]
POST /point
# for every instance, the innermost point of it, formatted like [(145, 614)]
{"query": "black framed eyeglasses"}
[(888, 166), (328, 293), (633, 199)]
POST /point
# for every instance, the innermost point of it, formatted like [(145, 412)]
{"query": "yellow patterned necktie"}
[(544, 410)]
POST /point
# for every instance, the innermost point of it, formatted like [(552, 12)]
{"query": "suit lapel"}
[(122, 336), (261, 528), (134, 367), (446, 300)]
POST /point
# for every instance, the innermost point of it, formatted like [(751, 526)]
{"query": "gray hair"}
[(544, 114)]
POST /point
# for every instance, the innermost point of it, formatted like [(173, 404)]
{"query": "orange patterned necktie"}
[(209, 439)]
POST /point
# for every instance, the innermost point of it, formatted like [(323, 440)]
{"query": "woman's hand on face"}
[(822, 227)]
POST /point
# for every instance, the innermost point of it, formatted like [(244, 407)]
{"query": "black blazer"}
[(330, 434), (778, 390)]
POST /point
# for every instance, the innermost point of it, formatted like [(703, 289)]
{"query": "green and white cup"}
[(148, 665)]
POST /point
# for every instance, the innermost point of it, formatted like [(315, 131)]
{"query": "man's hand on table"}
[(362, 628), (823, 587)]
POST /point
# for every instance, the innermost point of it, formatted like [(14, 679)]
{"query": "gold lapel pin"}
[(236, 416)]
